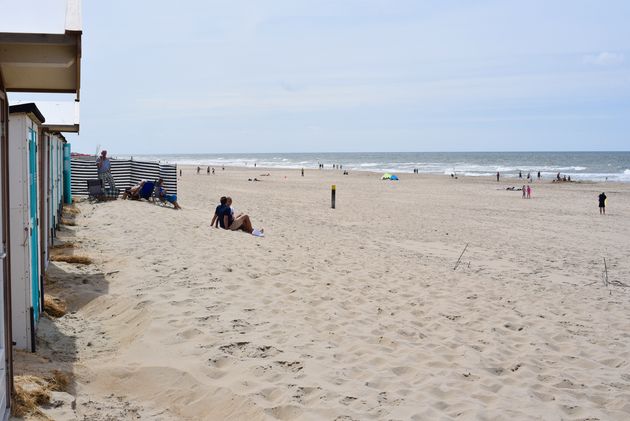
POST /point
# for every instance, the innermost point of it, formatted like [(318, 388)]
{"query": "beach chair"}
[(146, 192), (95, 189)]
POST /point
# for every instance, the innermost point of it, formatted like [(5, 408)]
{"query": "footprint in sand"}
[(292, 366), (285, 412), (248, 350), (190, 333)]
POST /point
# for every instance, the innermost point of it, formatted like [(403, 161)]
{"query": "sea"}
[(587, 166)]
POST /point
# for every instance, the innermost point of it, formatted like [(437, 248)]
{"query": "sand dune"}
[(354, 313)]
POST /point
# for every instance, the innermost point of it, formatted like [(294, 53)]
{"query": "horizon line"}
[(367, 152)]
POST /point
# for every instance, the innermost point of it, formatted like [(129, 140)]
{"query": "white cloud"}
[(604, 58)]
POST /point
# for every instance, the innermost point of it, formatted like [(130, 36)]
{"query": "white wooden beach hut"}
[(61, 117), (25, 217), (32, 59)]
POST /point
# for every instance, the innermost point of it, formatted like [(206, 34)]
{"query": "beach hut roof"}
[(60, 116), (27, 108), (36, 61)]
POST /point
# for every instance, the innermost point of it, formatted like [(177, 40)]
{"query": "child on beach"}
[(524, 191), (529, 192)]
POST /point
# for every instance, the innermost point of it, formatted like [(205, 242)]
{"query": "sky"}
[(206, 76)]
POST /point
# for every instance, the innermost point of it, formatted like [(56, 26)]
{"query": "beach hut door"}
[(4, 359), (32, 180)]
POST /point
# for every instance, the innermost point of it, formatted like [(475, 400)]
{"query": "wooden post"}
[(332, 196)]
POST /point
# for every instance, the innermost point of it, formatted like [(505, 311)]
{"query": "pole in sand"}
[(332, 196)]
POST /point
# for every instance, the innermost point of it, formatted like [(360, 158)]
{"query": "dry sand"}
[(354, 313)]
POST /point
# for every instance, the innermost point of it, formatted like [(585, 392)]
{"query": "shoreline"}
[(405, 175)]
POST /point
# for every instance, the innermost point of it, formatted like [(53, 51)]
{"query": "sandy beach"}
[(356, 313)]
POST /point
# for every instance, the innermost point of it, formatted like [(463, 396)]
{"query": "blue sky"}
[(350, 75)]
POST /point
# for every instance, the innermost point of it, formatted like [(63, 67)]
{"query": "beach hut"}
[(32, 59), (25, 251), (61, 117)]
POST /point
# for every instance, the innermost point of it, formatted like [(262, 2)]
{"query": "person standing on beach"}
[(529, 192), (212, 170), (524, 191), (498, 176), (602, 203), (104, 167), (208, 171), (198, 169), (302, 172), (520, 174), (539, 175)]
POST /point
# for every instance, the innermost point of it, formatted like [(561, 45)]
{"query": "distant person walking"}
[(539, 175), (524, 192), (180, 172), (302, 172), (212, 170), (602, 203), (498, 176), (520, 174), (529, 192), (104, 167), (198, 170), (208, 171)]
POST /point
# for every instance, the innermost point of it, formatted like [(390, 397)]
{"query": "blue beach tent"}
[(388, 176)]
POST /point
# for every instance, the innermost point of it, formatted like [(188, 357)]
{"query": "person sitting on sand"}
[(218, 212), (232, 222), (133, 193), (162, 194)]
